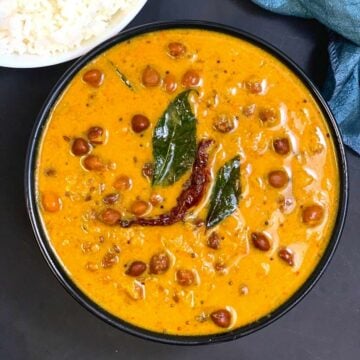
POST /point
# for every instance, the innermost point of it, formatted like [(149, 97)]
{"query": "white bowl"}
[(33, 61)]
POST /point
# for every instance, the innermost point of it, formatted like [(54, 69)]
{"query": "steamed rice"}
[(48, 27)]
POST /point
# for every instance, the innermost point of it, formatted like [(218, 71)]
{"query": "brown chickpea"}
[(176, 49), (139, 207), (185, 277), (278, 178), (221, 318), (260, 241), (136, 268), (93, 163), (224, 123), (96, 135), (156, 199), (313, 215), (191, 79), (150, 77), (80, 147), (139, 123), (254, 87), (159, 263), (249, 110), (93, 77), (281, 146), (267, 115), (220, 267), (111, 198), (286, 255), (109, 260), (170, 83), (51, 202), (110, 216), (214, 240), (122, 182)]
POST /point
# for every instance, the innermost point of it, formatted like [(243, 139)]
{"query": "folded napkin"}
[(342, 87)]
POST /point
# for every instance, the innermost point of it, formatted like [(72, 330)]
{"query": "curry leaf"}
[(226, 193), (174, 141), (122, 77)]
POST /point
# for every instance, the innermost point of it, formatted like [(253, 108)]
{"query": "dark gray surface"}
[(39, 320)]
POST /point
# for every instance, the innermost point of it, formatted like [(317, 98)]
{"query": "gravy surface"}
[(233, 268)]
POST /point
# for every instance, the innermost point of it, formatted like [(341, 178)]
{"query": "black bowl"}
[(66, 281)]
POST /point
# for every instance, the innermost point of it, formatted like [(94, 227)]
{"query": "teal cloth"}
[(342, 87)]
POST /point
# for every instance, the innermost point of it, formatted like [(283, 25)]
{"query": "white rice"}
[(49, 27)]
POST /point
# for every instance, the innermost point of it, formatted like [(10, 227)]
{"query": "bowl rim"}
[(116, 24), (54, 262)]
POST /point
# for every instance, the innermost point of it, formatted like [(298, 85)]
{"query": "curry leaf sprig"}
[(226, 193), (174, 141)]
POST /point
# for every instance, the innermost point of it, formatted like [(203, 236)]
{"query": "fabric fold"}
[(342, 87)]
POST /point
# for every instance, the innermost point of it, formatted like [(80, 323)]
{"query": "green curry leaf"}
[(122, 77), (226, 193), (174, 141)]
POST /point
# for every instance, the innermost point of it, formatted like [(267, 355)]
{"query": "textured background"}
[(39, 320)]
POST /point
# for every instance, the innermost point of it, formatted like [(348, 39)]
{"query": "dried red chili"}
[(188, 198)]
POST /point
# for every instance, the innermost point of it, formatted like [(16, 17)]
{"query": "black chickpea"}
[(221, 318), (170, 84), (260, 241), (176, 49), (213, 241), (185, 277), (313, 215), (278, 178), (191, 79), (93, 163), (110, 216), (254, 87), (96, 135), (139, 123), (111, 198), (122, 182), (80, 147), (286, 255), (150, 77), (224, 123), (267, 115), (281, 146), (93, 77), (136, 268), (159, 263), (140, 207)]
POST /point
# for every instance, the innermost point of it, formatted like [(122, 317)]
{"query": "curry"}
[(187, 181)]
